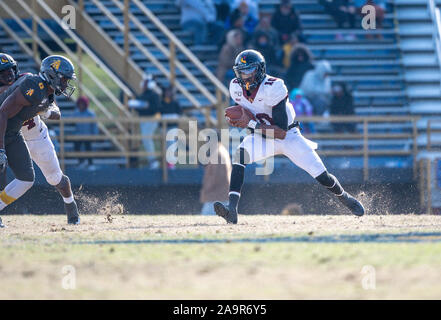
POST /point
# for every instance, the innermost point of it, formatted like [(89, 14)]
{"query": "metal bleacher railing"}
[(129, 139), (431, 151), (433, 129), (37, 22), (360, 149), (129, 18)]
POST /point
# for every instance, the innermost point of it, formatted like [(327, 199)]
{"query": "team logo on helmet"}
[(30, 92), (243, 59), (56, 64), (5, 60)]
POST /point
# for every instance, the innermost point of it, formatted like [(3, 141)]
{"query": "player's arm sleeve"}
[(280, 117), (31, 91)]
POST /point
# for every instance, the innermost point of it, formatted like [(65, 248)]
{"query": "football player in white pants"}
[(42, 151), (274, 131), (39, 144)]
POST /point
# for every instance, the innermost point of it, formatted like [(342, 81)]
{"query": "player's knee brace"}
[(330, 182), (54, 178)]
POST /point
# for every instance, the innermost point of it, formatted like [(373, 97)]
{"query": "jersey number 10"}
[(264, 119), (30, 124)]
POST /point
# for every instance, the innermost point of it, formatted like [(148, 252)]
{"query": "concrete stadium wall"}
[(395, 194)]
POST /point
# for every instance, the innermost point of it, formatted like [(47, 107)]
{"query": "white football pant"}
[(43, 153), (297, 148)]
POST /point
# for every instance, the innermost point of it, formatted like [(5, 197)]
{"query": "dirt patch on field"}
[(188, 226), (39, 254), (108, 206)]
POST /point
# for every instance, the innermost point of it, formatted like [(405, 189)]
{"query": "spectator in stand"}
[(253, 7), (342, 104), (265, 26), (287, 50), (170, 109), (234, 21), (316, 86), (286, 21), (342, 11), (302, 107), (300, 63), (89, 128), (169, 105), (230, 50), (223, 10), (151, 104), (237, 24), (241, 15), (262, 43), (196, 17)]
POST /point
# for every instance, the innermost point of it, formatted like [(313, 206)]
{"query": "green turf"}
[(34, 250)]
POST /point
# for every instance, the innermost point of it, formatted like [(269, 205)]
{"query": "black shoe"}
[(1, 224), (229, 214), (353, 204), (71, 210)]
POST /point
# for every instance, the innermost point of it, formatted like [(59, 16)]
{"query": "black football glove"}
[(3, 160)]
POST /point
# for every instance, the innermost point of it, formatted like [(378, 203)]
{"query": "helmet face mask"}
[(65, 86), (59, 72), (8, 69), (250, 69), (7, 76), (247, 76)]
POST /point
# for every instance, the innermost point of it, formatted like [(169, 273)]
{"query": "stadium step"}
[(373, 67), (421, 66)]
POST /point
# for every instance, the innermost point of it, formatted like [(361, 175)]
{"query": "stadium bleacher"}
[(422, 73), (389, 75), (371, 67)]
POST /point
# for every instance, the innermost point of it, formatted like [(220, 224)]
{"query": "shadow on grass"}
[(411, 237)]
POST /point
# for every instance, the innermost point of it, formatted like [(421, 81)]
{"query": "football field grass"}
[(197, 257)]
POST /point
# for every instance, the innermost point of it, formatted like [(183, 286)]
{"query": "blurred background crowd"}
[(236, 25)]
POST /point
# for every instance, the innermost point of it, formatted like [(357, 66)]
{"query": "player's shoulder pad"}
[(33, 88), (275, 90)]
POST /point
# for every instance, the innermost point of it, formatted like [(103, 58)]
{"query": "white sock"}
[(68, 199)]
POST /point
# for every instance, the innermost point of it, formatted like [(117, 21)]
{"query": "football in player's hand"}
[(234, 113), (238, 116)]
